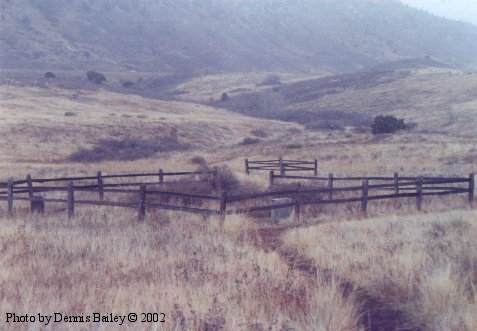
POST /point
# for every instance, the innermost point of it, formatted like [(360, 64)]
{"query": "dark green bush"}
[(95, 77), (50, 75), (387, 124)]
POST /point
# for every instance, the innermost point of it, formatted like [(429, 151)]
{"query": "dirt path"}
[(377, 315)]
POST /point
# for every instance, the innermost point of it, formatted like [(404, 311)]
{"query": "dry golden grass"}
[(35, 129), (201, 277), (422, 266)]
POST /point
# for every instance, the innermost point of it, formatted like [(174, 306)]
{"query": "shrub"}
[(126, 149), (387, 124), (95, 77), (249, 141), (50, 75), (225, 180), (198, 160), (294, 146), (224, 97), (128, 84)]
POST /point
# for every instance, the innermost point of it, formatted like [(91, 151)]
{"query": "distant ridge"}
[(233, 35)]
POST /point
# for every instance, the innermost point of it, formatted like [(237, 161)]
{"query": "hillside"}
[(213, 35), (437, 100), (51, 126)]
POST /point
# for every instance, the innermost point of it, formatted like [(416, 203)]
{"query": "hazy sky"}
[(462, 10)]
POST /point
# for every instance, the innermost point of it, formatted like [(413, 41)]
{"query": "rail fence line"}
[(281, 165), (145, 194)]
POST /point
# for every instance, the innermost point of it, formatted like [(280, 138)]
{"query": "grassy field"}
[(420, 269), (398, 270)]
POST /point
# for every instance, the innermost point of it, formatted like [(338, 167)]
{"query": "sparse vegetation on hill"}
[(126, 149)]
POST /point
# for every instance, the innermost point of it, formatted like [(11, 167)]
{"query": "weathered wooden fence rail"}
[(147, 195), (281, 165)]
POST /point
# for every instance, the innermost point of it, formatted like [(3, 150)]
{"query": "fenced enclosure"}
[(282, 166), (131, 192), (70, 192)]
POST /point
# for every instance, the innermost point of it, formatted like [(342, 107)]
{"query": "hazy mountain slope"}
[(231, 35)]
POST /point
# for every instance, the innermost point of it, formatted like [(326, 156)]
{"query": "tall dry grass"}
[(201, 276), (422, 268)]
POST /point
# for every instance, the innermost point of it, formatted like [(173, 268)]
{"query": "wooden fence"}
[(282, 166), (145, 195), (132, 187)]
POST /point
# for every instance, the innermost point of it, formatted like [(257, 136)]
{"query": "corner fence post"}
[(223, 206), (141, 208), (71, 200), (30, 187), (100, 186), (316, 168), (330, 186), (10, 186), (396, 183), (161, 176), (282, 167), (271, 178), (364, 197), (419, 193), (471, 189), (247, 169)]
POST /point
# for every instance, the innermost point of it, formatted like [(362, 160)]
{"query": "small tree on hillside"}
[(224, 97)]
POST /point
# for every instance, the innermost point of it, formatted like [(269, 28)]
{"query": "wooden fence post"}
[(330, 186), (419, 193), (71, 200), (271, 178), (10, 187), (100, 186), (161, 176), (141, 208), (247, 170), (364, 197), (316, 168), (471, 189), (30, 187), (282, 168), (396, 183), (214, 178), (223, 206), (297, 211)]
